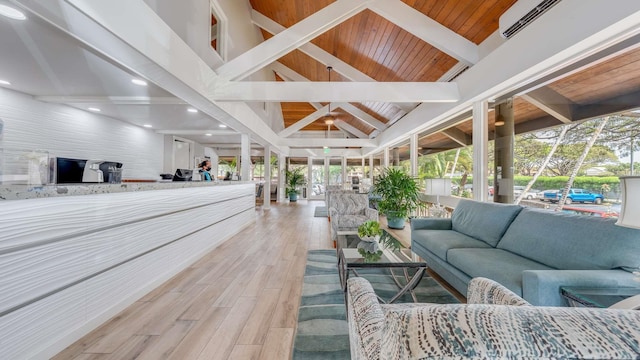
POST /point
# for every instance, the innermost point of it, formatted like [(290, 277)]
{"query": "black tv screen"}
[(183, 175)]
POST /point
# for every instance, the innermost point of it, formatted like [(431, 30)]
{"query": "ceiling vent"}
[(522, 14)]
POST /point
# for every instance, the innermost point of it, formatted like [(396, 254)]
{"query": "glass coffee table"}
[(597, 297), (391, 254)]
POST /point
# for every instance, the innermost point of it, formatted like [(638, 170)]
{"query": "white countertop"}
[(21, 192)]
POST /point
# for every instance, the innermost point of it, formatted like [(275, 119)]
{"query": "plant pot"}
[(293, 197), (370, 238), (394, 221), (369, 247)]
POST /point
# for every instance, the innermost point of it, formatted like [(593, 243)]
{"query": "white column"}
[(362, 167), (282, 164), (480, 150), (413, 154), (309, 177), (385, 160), (344, 171), (266, 190), (326, 172), (245, 157), (371, 168)]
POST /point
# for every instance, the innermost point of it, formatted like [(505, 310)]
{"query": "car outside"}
[(590, 212), (574, 195), (529, 195)]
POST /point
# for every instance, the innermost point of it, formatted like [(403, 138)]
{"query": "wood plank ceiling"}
[(385, 52), (379, 48)]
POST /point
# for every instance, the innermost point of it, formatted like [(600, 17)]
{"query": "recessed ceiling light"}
[(222, 125), (94, 109), (208, 134), (147, 125), (192, 110), (12, 13), (139, 82), (4, 82)]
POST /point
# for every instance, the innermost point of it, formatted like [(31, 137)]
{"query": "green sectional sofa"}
[(531, 252)]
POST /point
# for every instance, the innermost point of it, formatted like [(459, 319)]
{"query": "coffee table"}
[(392, 254), (598, 297)]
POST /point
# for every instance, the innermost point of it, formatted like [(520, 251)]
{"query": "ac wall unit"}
[(521, 14)]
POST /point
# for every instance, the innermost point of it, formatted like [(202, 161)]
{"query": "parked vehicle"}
[(574, 195), (590, 212), (529, 195)]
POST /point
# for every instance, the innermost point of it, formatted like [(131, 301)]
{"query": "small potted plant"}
[(399, 196), (369, 231), (295, 179)]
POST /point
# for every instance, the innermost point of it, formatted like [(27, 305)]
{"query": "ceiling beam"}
[(280, 44), (330, 142), (312, 50), (427, 29), (359, 114), (198, 132), (334, 91), (345, 126), (116, 100), (322, 56), (604, 107), (304, 122), (552, 103), (287, 74), (458, 136)]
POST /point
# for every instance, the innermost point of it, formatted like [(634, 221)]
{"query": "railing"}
[(428, 206)]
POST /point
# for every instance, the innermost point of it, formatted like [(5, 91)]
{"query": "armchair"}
[(487, 327), (348, 211)]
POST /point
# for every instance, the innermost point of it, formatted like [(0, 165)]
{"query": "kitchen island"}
[(73, 256)]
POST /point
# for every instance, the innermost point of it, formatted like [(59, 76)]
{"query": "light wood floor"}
[(240, 301)]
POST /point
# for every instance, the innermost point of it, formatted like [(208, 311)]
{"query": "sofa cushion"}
[(483, 221), (440, 241), (349, 222), (572, 242), (499, 265)]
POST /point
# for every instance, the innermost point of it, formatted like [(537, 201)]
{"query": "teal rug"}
[(320, 211), (322, 331)]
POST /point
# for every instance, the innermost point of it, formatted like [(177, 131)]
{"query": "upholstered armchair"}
[(348, 211), (330, 193)]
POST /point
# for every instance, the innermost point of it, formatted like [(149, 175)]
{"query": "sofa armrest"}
[(431, 224), (366, 320), (371, 214), (333, 211), (542, 287), (486, 291)]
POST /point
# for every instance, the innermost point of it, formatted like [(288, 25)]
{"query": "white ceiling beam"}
[(330, 142), (335, 91), (320, 153), (304, 122), (344, 126), (458, 136), (312, 50), (198, 132), (322, 57), (116, 100), (290, 39), (289, 75), (427, 29), (552, 103), (359, 114)]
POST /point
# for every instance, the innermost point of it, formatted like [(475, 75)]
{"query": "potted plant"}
[(369, 230), (398, 193), (294, 180)]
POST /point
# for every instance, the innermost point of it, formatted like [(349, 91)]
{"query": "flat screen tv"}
[(183, 175)]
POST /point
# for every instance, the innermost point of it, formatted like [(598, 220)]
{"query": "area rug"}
[(322, 331), (320, 211)]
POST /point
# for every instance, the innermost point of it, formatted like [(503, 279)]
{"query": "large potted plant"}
[(399, 196), (294, 180)]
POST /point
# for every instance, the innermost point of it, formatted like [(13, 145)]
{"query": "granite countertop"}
[(21, 192)]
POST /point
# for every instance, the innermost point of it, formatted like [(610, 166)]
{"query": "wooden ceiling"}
[(378, 48), (385, 52)]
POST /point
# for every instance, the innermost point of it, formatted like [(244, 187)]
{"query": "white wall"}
[(64, 131)]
